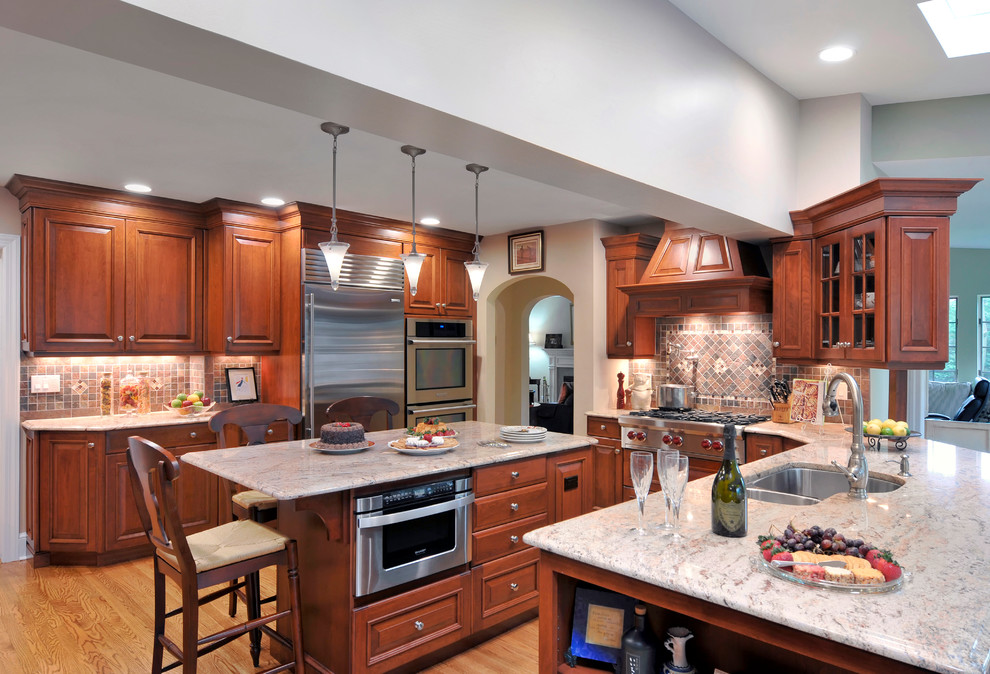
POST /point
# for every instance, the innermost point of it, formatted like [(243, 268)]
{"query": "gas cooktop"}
[(701, 416)]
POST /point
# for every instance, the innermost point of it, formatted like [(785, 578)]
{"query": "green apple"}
[(198, 403), (181, 397), (176, 403), (200, 394)]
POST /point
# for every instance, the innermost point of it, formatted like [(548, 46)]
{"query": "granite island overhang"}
[(935, 526)]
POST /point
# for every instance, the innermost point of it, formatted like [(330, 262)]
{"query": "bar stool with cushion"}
[(205, 559), (361, 409)]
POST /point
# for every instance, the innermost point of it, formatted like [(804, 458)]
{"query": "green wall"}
[(969, 278)]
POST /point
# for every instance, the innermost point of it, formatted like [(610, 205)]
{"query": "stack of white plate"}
[(523, 433)]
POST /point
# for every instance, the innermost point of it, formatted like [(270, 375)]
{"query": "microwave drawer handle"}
[(448, 342), (441, 409), (365, 522)]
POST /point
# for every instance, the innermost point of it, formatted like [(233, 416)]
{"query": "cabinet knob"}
[(438, 305), (514, 474), (271, 432), (513, 539), (230, 340), (763, 452), (444, 305), (131, 338), (617, 450), (603, 427), (628, 343), (419, 625), (513, 586), (776, 345), (192, 434), (91, 445), (513, 507), (120, 338)]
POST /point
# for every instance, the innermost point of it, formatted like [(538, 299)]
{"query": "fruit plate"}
[(889, 586), (900, 441), (192, 410), (450, 434), (400, 447), (328, 449)]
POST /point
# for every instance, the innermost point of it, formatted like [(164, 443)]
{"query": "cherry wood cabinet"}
[(80, 505), (626, 259), (867, 272), (606, 464), (443, 288), (760, 446)]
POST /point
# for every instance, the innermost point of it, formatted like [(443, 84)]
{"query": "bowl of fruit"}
[(876, 430), (189, 403)]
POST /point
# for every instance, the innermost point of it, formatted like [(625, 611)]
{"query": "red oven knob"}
[(717, 446), (631, 435), (706, 444), (667, 439), (677, 441), (641, 436)]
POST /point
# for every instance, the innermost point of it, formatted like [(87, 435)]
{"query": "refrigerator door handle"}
[(310, 308)]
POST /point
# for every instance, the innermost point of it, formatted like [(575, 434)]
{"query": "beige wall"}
[(10, 216)]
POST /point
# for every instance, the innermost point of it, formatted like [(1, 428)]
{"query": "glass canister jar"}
[(106, 394), (130, 399), (144, 393)]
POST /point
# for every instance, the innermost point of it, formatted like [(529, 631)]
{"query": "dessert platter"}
[(427, 445), (342, 437), (825, 558), (523, 433), (432, 426)]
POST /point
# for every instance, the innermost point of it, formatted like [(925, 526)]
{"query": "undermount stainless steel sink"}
[(807, 486)]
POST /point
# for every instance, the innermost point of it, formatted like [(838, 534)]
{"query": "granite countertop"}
[(116, 422), (608, 414), (935, 526), (290, 470)]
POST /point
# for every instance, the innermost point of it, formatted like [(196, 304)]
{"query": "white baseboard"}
[(22, 547)]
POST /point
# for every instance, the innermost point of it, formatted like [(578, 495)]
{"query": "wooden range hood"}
[(695, 273)]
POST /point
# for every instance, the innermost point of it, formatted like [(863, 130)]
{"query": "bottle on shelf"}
[(639, 651), (729, 503)]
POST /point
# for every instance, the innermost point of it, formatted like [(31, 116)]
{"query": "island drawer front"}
[(505, 588), (603, 427), (502, 476), (166, 436), (400, 629), (511, 506), (503, 540)]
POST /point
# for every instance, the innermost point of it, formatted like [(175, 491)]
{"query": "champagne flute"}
[(677, 476), (662, 473), (641, 471)]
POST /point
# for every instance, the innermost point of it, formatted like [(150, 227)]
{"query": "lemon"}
[(193, 398), (889, 423), (874, 421), (901, 431), (901, 424), (873, 429)]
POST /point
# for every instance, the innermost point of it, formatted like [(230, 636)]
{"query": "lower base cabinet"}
[(505, 588)]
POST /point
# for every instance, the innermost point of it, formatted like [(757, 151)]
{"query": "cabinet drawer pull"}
[(513, 539), (513, 507), (192, 434), (91, 445), (514, 474), (419, 625), (120, 338), (230, 340), (513, 586), (131, 338), (763, 452)]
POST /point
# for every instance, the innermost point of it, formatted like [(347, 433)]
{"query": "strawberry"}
[(890, 570), (428, 437), (872, 556), (780, 553), (767, 545)]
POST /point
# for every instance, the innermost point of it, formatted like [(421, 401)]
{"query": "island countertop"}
[(291, 470), (935, 525)]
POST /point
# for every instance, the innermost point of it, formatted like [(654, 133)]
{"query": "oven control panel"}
[(401, 499)]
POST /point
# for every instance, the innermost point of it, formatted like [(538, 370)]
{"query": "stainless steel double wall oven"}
[(439, 369)]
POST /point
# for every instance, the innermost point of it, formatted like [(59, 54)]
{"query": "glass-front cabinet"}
[(850, 318)]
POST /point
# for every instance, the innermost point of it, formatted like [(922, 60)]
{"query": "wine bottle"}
[(729, 491), (639, 653)]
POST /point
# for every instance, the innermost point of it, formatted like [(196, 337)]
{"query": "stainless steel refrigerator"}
[(353, 337)]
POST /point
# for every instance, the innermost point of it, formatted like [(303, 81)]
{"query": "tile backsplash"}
[(79, 391), (730, 361)]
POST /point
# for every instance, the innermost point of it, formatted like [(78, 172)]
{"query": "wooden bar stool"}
[(219, 555), (361, 409)]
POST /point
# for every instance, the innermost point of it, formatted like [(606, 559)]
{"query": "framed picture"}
[(554, 341), (600, 620), (241, 385), (526, 253)]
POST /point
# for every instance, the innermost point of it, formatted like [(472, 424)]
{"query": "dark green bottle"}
[(729, 491), (639, 652)]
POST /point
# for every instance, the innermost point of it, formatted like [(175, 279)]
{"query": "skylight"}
[(961, 26)]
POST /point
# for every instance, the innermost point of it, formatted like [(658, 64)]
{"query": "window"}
[(984, 335), (951, 371)]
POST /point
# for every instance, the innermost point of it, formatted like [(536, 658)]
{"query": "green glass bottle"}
[(729, 491)]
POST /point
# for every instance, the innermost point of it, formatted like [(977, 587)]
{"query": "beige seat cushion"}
[(252, 498), (229, 543)]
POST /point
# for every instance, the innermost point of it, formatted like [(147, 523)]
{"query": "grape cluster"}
[(821, 541)]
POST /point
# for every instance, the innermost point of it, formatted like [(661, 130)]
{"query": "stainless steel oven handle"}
[(447, 342), (366, 522), (412, 412)]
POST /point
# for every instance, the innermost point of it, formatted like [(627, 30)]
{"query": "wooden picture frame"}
[(526, 253), (242, 386), (554, 341)]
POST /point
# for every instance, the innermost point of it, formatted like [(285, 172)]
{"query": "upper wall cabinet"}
[(865, 279), (100, 276), (626, 257), (443, 288)]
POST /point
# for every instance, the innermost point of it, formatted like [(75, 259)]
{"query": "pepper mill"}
[(620, 395)]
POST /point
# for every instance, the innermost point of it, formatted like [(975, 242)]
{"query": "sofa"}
[(969, 425), (557, 417)]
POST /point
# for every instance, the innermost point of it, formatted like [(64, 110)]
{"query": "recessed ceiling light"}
[(835, 54), (429, 221), (273, 201), (961, 26), (136, 187)]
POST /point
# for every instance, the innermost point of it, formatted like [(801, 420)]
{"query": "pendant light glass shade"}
[(334, 250), (413, 260), (476, 268)]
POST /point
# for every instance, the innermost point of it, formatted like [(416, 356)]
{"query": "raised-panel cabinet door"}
[(27, 311), (457, 297), (79, 280), (252, 307), (122, 524), (608, 477), (426, 301), (792, 293), (196, 493), (571, 483), (68, 489), (164, 287)]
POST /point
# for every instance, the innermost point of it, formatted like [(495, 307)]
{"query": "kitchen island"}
[(516, 489), (746, 620)]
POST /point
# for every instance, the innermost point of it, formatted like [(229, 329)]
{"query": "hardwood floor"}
[(68, 620)]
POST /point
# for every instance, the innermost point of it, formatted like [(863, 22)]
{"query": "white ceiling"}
[(82, 117)]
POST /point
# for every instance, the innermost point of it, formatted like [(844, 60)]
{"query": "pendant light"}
[(476, 268), (334, 250), (413, 260)]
